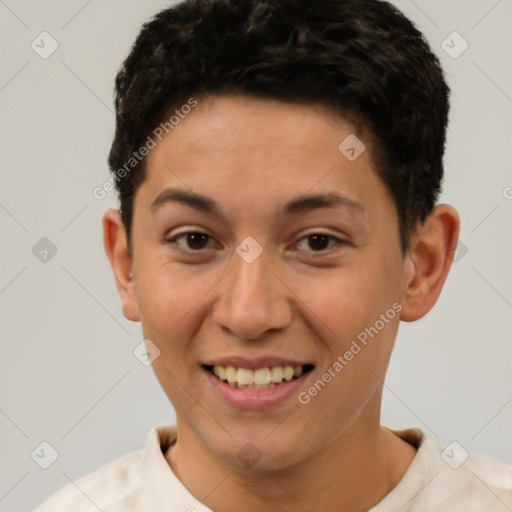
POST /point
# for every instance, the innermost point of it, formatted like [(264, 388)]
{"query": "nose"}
[(253, 300)]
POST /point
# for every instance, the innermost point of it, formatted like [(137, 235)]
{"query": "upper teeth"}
[(246, 377)]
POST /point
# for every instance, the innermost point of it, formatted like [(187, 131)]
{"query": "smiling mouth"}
[(261, 378)]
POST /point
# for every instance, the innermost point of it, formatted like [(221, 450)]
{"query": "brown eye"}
[(193, 241), (317, 242), (197, 240)]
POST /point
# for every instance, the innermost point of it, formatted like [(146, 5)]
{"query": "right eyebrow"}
[(192, 199)]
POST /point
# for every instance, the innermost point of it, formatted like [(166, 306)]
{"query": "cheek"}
[(170, 303), (349, 299), (356, 340), (168, 300), (348, 305)]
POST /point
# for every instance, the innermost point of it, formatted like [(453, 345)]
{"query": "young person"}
[(278, 164)]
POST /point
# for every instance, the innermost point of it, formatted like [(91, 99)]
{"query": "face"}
[(258, 244)]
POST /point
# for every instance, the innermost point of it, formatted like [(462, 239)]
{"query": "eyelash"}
[(172, 240)]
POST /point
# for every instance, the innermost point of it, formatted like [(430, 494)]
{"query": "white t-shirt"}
[(439, 479)]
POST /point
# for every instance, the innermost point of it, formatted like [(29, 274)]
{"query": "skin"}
[(251, 156)]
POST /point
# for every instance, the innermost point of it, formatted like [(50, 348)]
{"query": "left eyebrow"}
[(308, 203)]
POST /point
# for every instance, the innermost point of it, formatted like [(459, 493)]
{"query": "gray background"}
[(69, 376)]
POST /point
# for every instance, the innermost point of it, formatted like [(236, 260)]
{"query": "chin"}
[(260, 449)]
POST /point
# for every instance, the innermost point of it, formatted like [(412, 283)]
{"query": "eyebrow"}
[(302, 204)]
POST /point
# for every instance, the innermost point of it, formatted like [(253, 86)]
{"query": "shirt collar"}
[(167, 491)]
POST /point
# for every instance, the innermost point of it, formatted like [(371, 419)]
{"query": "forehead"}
[(238, 122), (261, 147)]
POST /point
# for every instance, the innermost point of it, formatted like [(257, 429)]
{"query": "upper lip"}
[(255, 363)]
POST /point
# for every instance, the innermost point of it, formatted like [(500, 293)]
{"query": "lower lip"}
[(253, 399)]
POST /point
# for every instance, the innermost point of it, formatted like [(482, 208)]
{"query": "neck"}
[(354, 472)]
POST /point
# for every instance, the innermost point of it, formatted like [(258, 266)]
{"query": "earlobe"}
[(116, 247), (429, 261)]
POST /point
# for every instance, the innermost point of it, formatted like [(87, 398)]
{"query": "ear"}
[(118, 253), (429, 260)]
